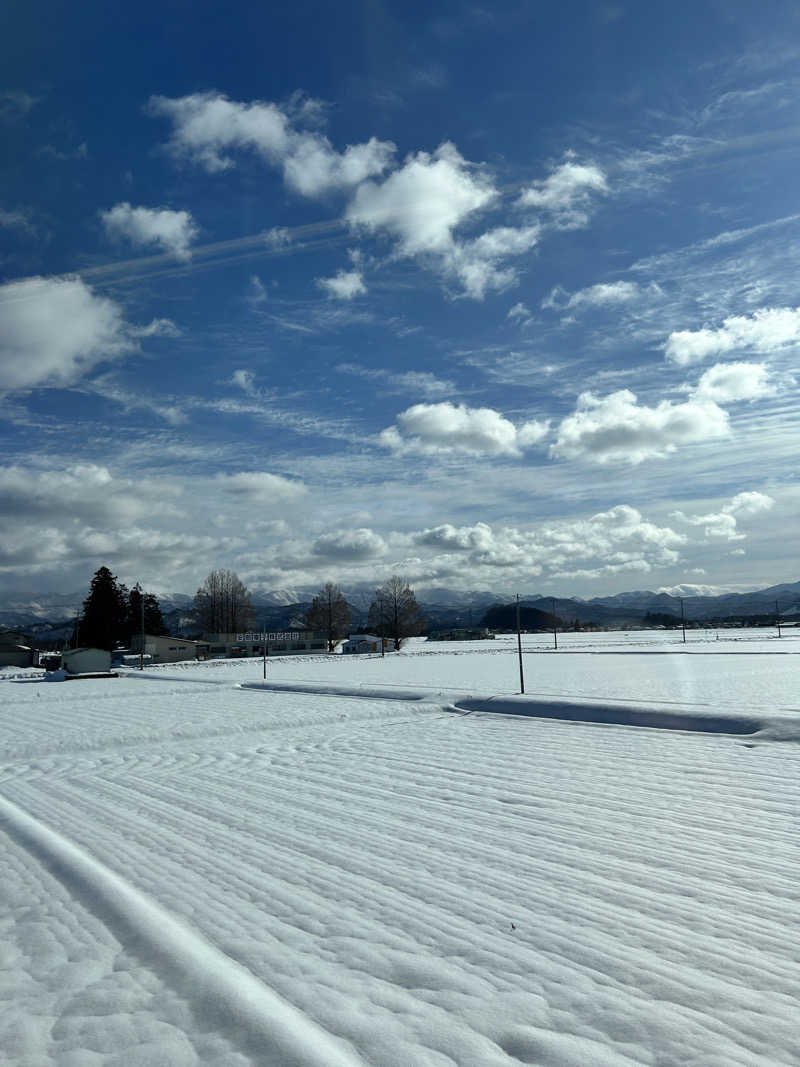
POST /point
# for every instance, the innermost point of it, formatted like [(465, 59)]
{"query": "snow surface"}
[(198, 873)]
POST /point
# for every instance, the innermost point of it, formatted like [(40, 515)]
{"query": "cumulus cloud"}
[(744, 505), (207, 127), (87, 492), (616, 428), (54, 330), (476, 264), (765, 331), (422, 202), (604, 294), (723, 524), (244, 379), (171, 230), (566, 194), (261, 487), (612, 541), (431, 429), (519, 312), (729, 382), (344, 285), (358, 544)]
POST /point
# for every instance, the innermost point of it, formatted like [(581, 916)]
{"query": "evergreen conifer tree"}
[(105, 612)]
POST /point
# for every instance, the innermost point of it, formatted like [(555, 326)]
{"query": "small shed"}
[(86, 661), (356, 643)]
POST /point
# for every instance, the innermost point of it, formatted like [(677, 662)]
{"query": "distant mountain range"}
[(52, 615)]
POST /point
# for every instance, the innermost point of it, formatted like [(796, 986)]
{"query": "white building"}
[(86, 661), (356, 643)]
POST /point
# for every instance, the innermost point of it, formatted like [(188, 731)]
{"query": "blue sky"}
[(495, 297)]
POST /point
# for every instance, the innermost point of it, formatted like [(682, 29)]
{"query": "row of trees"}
[(394, 613), (222, 604), (112, 613)]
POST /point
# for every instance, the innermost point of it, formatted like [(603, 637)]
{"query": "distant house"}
[(86, 661), (166, 649), (359, 643)]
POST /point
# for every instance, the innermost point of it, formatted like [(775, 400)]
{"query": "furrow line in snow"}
[(621, 918), (283, 1033)]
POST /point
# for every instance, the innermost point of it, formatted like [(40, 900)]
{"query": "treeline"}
[(674, 622), (113, 614)]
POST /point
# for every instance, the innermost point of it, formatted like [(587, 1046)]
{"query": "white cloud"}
[(729, 382), (173, 231), (244, 379), (156, 328), (16, 220), (613, 541), (723, 524), (344, 285), (15, 104), (476, 263), (257, 292), (431, 429), (357, 544), (261, 487), (604, 294), (55, 330), (765, 331), (422, 202), (208, 126), (743, 505), (412, 381), (567, 193), (618, 428), (85, 492), (519, 311)]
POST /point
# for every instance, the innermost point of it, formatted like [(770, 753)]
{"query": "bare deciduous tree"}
[(222, 604), (395, 612), (329, 613)]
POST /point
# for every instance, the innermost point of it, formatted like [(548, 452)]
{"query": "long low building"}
[(278, 643)]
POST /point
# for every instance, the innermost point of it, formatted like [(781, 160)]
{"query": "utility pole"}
[(519, 652), (141, 652), (382, 629), (555, 624), (778, 618), (683, 620), (265, 657)]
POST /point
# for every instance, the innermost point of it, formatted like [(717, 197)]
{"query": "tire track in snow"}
[(272, 1025)]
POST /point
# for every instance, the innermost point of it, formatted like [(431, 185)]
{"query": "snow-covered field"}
[(193, 872)]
